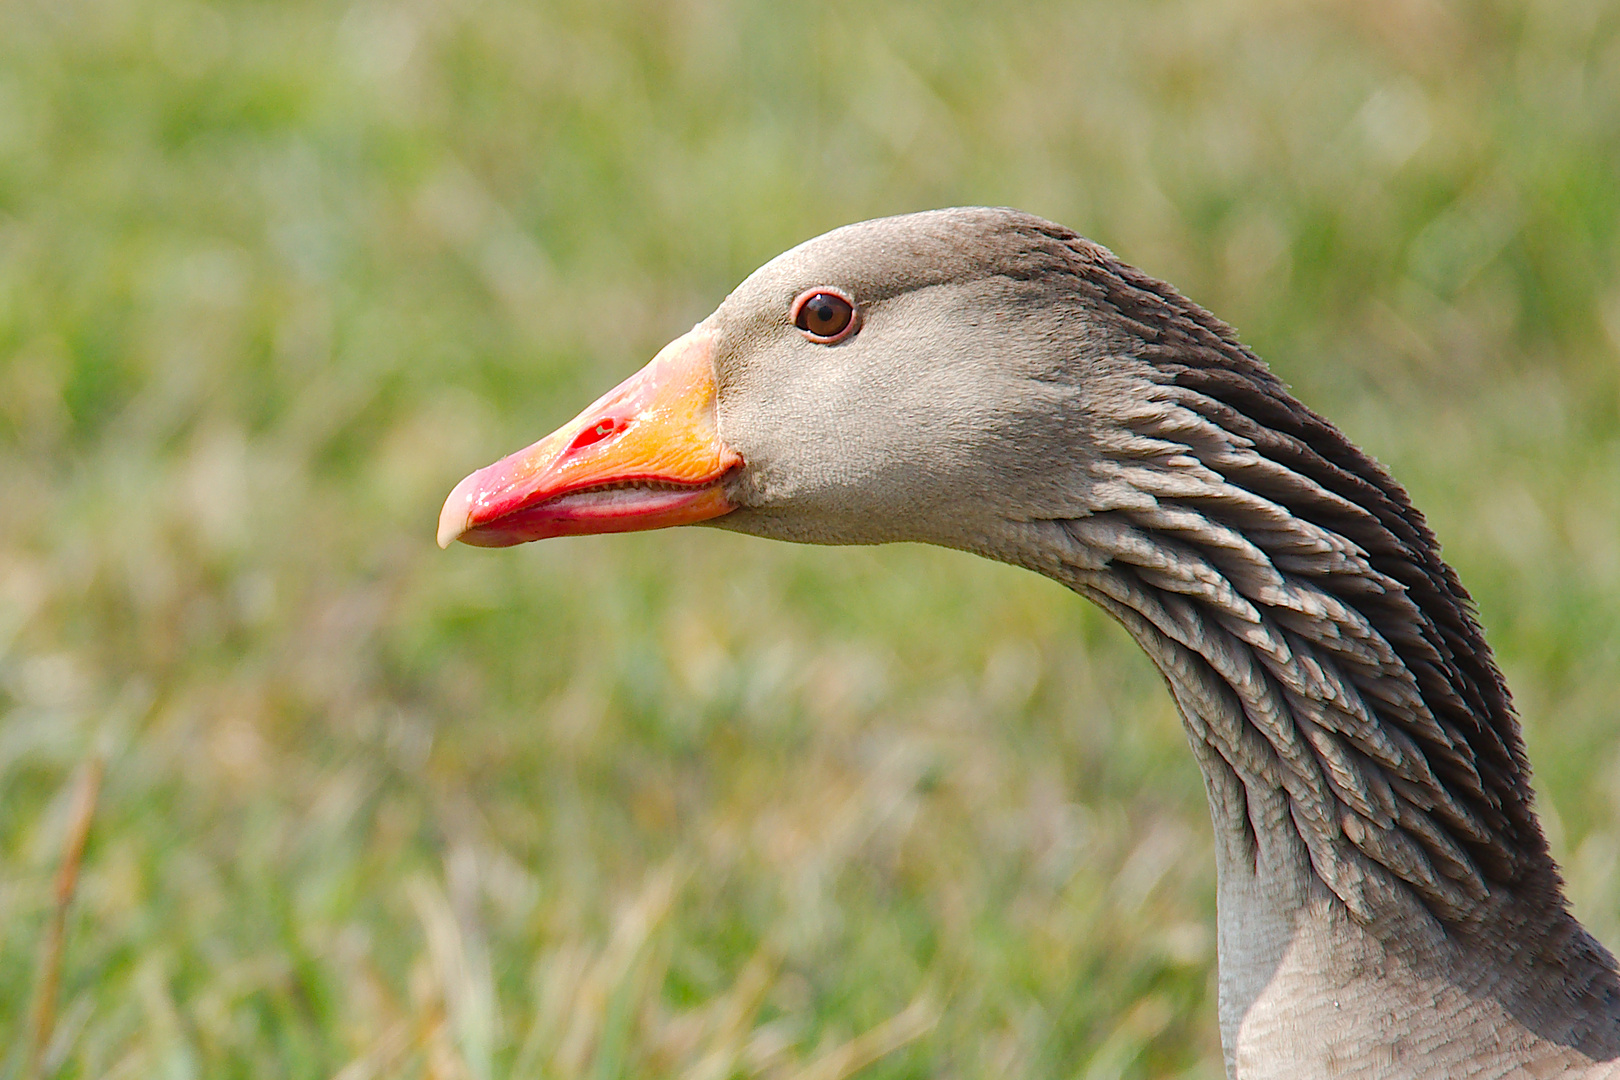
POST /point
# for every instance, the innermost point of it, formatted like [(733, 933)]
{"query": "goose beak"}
[(645, 456)]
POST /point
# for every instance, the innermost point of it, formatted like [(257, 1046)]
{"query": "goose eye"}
[(824, 316)]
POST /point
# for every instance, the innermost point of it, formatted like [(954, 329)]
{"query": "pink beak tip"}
[(456, 517)]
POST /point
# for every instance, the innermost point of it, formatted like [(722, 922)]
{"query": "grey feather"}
[(1388, 905)]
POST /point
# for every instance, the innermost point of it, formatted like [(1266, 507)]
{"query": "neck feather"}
[(1375, 835), (1297, 603)]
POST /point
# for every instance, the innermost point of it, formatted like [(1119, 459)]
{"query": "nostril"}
[(601, 429)]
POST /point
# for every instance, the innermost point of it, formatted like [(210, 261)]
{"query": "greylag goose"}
[(989, 381)]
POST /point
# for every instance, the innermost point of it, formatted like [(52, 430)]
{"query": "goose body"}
[(1387, 904)]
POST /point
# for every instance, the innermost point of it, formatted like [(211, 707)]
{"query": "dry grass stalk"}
[(86, 788), (908, 1025)]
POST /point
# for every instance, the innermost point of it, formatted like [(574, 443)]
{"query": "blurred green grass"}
[(274, 276)]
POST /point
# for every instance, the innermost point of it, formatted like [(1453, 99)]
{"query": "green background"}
[(273, 276)]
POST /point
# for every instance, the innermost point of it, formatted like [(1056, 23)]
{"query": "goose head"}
[(937, 377), (985, 380)]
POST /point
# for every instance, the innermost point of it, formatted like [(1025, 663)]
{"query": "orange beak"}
[(645, 456)]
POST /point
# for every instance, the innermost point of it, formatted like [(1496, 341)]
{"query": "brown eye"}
[(824, 315)]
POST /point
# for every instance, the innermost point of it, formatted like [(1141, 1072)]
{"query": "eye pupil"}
[(825, 315)]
